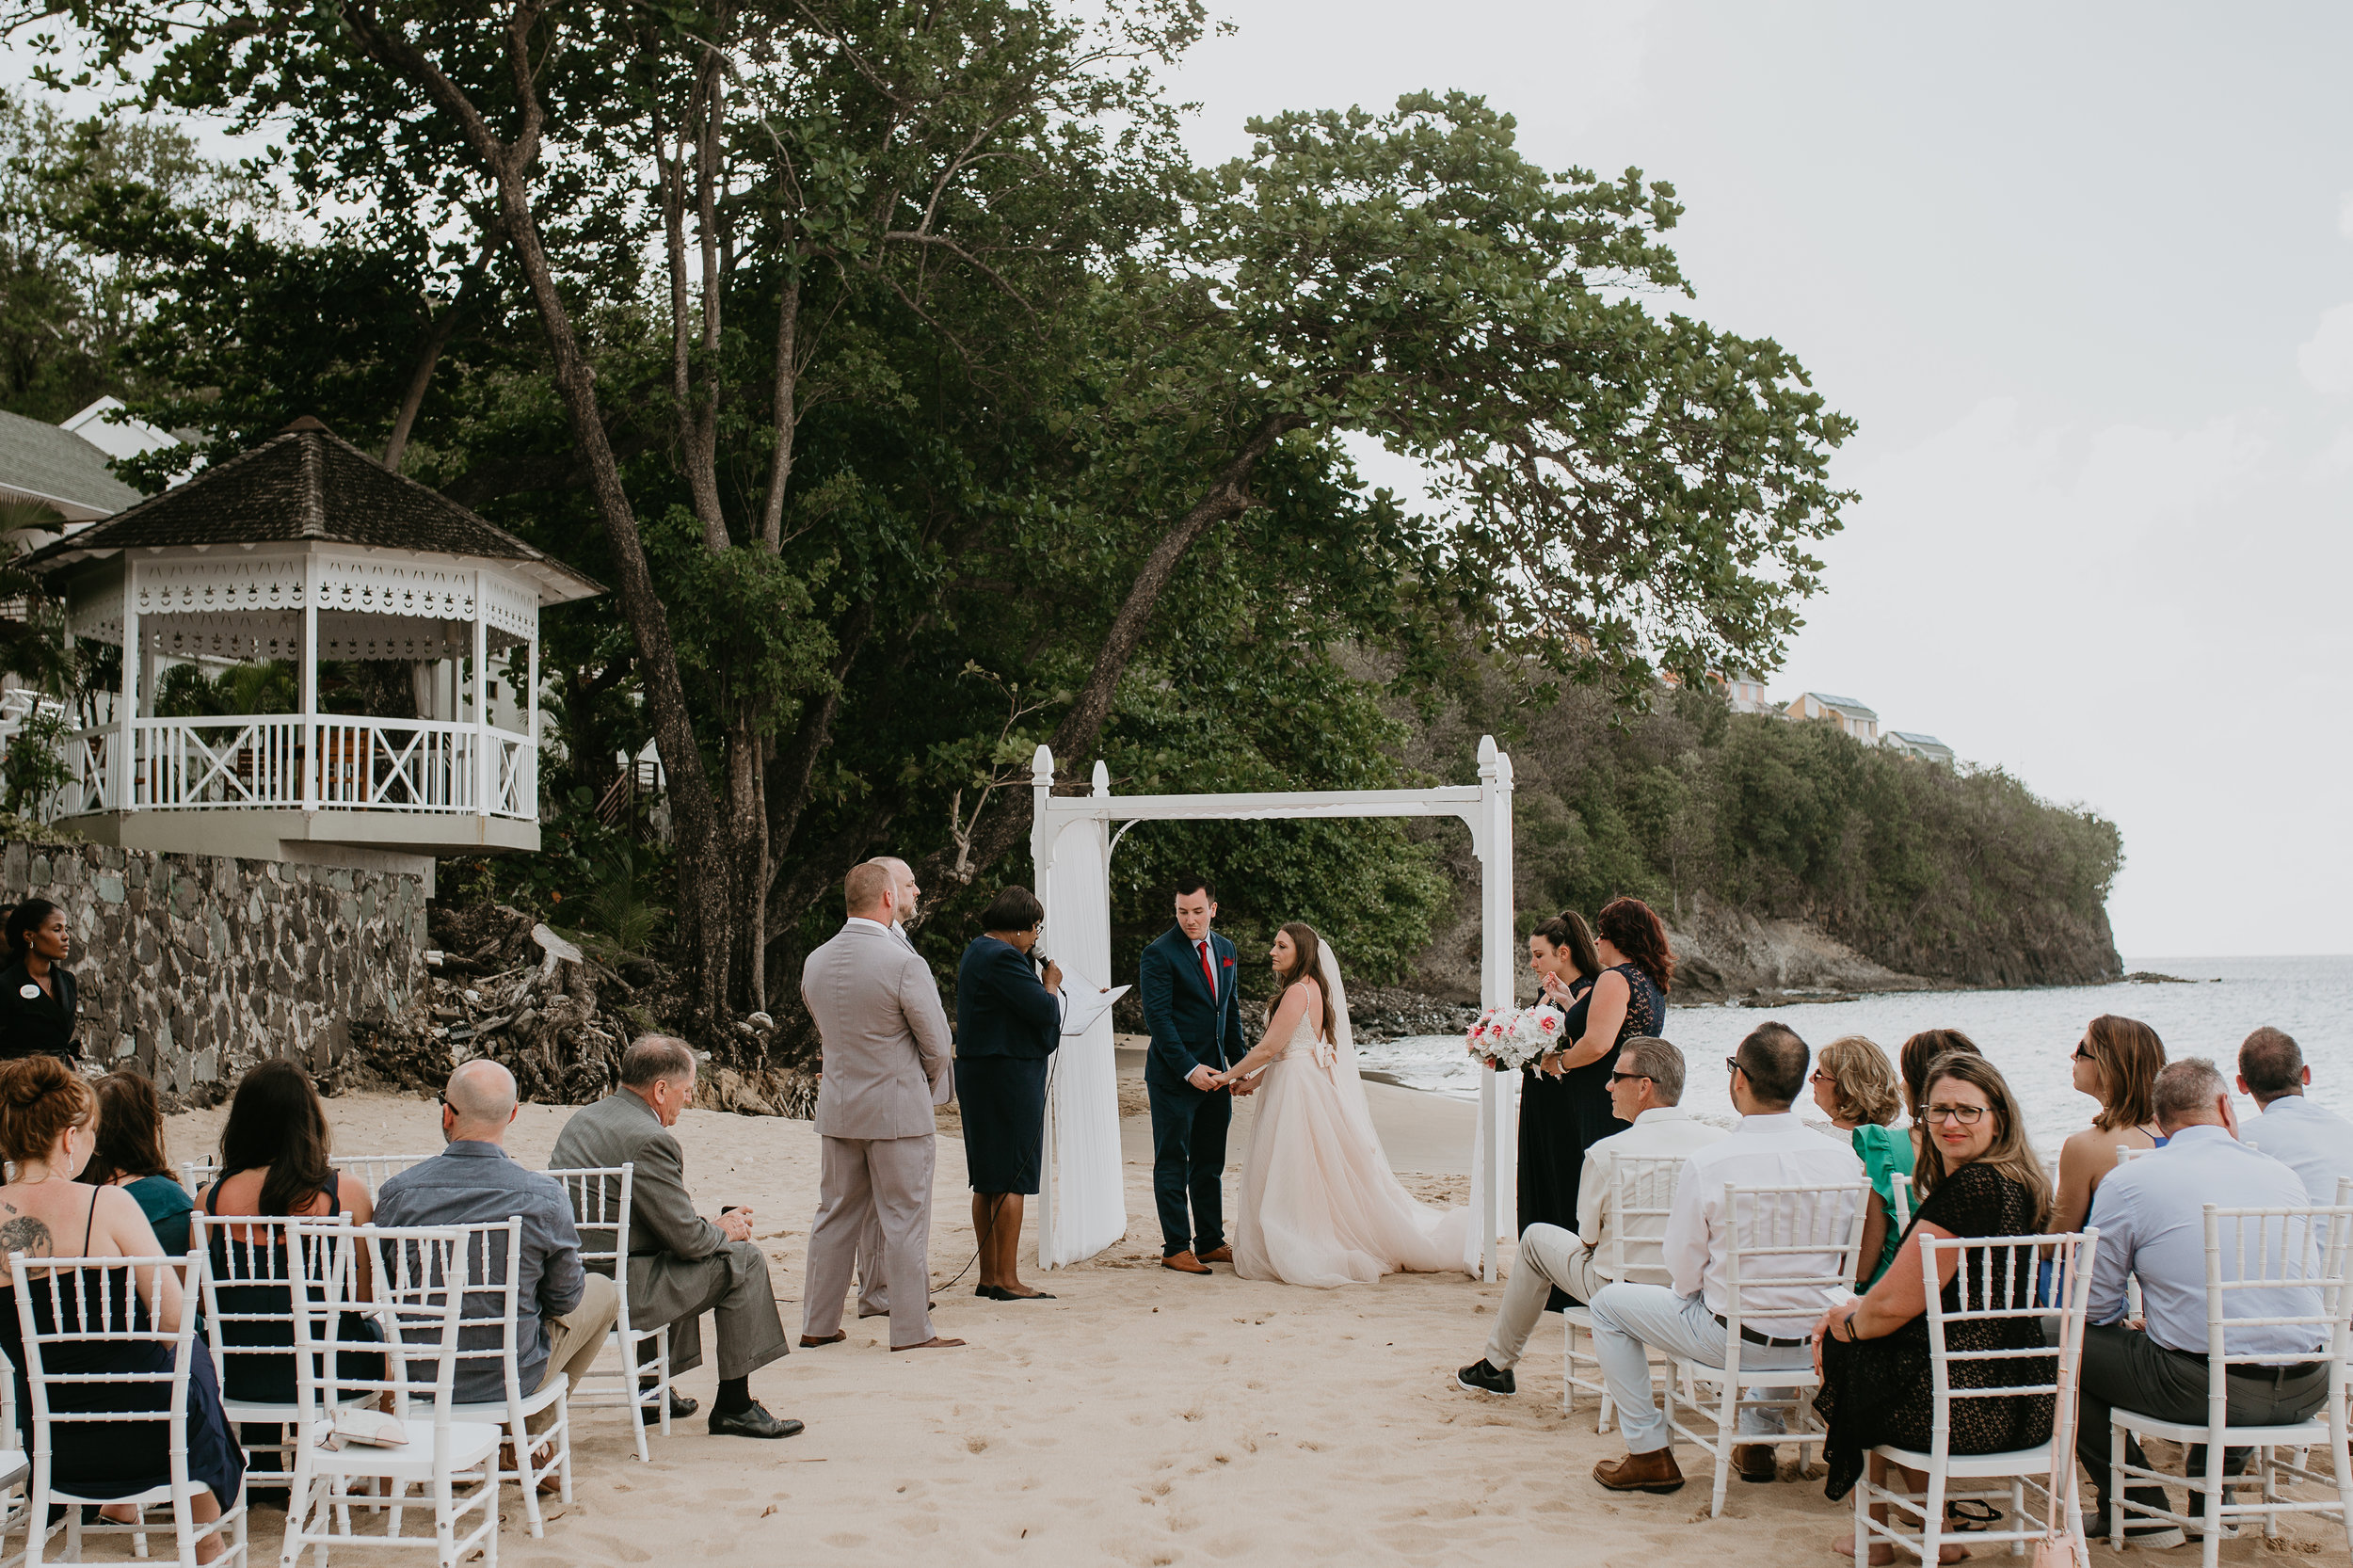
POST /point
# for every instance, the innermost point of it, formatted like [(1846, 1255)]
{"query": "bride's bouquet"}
[(1509, 1038)]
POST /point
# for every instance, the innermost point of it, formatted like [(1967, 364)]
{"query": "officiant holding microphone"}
[(1009, 1015)]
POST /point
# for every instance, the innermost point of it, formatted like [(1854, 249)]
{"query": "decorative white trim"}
[(510, 605), (215, 585), (394, 588), (251, 606)]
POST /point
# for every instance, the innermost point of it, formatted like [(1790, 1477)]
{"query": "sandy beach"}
[(1143, 1417)]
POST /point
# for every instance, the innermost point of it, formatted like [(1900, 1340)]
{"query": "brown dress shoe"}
[(1654, 1472), (1184, 1263), (1755, 1461), (811, 1341), (1218, 1254)]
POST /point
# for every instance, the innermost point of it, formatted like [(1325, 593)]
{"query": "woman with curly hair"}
[(1855, 1086)]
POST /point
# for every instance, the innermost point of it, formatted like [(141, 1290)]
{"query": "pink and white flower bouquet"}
[(1509, 1038)]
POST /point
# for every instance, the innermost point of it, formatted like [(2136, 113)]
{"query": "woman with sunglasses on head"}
[(1008, 1026), (1856, 1088), (2116, 1063), (38, 999), (1556, 1119), (1977, 1177)]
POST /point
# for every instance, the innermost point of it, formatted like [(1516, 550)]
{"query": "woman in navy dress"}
[(1008, 1025), (1628, 999), (1552, 1143), (46, 1125)]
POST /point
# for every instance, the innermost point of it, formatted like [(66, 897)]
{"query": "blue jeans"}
[(1188, 1161)]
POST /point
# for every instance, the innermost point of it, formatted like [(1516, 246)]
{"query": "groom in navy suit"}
[(1191, 1008)]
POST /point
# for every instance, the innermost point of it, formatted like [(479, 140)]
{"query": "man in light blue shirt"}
[(2151, 1216), (2317, 1145)]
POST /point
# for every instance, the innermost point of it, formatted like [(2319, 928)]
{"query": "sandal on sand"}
[(1959, 1517)]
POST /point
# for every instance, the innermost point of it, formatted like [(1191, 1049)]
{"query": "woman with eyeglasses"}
[(1855, 1085), (1008, 1026), (1556, 1122), (2116, 1063), (1977, 1177)]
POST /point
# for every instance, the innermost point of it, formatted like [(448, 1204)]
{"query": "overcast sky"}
[(2085, 275)]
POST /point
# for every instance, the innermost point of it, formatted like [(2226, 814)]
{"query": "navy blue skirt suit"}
[(1008, 1026)]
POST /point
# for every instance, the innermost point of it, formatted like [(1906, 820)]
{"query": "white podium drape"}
[(1083, 1194)]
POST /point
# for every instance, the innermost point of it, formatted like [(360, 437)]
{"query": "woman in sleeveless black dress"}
[(1552, 1147), (1628, 999)]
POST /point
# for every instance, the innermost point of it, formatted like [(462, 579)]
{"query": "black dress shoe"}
[(755, 1422), (1480, 1377), (999, 1293), (681, 1408)]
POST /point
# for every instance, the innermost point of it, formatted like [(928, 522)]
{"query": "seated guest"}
[(2151, 1215), (1686, 1319), (46, 1116), (681, 1265), (274, 1153), (562, 1313), (1856, 1088), (1646, 1088), (2116, 1063), (131, 1156), (1919, 1053), (1008, 1024), (1977, 1177), (2317, 1145)]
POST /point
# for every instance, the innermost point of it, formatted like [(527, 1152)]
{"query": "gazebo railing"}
[(260, 763)]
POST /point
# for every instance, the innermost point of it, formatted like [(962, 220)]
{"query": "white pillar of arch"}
[(1082, 1197)]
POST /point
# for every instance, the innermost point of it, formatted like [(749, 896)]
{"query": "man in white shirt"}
[(2317, 1145), (1647, 1090), (1687, 1319), (2151, 1216)]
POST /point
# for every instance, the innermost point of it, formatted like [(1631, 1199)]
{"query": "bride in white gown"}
[(1320, 1205)]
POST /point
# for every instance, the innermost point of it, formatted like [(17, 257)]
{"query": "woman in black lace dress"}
[(1977, 1177), (1628, 1000), (1552, 1136)]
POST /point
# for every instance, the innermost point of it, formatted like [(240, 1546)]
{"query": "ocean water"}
[(2030, 1034)]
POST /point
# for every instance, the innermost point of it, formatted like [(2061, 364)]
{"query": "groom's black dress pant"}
[(1188, 1161)]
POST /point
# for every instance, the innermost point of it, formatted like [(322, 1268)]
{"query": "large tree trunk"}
[(747, 882)]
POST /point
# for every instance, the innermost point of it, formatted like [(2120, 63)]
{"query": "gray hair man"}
[(562, 1313), (681, 1265), (2151, 1216), (1646, 1088), (873, 1290), (2317, 1145)]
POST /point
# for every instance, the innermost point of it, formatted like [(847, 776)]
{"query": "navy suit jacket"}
[(1191, 1027)]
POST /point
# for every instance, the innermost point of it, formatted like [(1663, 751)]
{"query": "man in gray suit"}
[(885, 1048), (874, 1287), (681, 1265)]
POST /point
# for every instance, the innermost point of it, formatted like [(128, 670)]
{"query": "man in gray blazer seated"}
[(681, 1265), (885, 1039)]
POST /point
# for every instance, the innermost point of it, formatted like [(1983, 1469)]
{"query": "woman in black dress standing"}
[(1628, 998), (1008, 1024), (1552, 1146), (38, 998)]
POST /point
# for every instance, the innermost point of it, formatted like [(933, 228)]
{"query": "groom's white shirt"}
[(1662, 1133)]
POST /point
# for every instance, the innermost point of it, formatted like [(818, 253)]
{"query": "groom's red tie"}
[(1208, 974)]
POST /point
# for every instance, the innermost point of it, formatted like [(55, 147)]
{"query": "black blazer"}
[(1191, 1027), (1002, 1008), (37, 1024)]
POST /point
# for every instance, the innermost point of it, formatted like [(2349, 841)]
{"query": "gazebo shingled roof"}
[(307, 483)]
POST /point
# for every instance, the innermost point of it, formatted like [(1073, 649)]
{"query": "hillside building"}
[(1845, 712), (1926, 747)]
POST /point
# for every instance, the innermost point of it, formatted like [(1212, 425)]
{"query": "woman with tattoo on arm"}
[(49, 1125)]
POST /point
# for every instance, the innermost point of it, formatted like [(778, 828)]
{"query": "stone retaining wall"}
[(196, 967)]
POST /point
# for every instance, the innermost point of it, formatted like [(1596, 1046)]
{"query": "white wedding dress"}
[(1320, 1205)]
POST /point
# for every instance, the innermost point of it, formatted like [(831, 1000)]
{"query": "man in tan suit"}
[(886, 1045)]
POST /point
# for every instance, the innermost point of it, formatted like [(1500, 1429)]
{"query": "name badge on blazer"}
[(28, 990)]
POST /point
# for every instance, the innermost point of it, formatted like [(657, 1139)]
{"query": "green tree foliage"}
[(1962, 874), (921, 402)]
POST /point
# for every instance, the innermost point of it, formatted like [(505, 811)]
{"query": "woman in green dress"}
[(1855, 1085)]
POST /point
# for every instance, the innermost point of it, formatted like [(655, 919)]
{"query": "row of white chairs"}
[(291, 1289), (2310, 1247)]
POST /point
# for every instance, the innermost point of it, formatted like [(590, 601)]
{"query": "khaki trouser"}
[(1549, 1256), (574, 1339)]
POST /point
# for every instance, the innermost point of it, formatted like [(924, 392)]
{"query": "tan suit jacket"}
[(883, 1034)]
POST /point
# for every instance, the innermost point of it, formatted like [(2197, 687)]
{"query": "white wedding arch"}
[(1082, 1197)]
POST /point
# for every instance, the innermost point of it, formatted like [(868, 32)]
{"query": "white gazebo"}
[(305, 548), (1083, 1197)]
